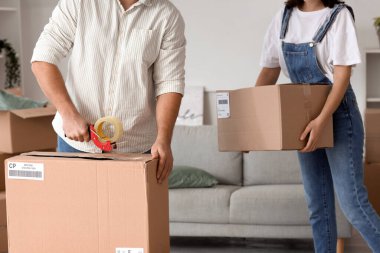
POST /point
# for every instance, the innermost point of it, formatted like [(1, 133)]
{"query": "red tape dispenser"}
[(100, 139)]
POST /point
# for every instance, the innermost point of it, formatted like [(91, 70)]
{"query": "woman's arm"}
[(315, 128), (268, 76)]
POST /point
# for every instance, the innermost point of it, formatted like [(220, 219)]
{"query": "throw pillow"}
[(189, 177)]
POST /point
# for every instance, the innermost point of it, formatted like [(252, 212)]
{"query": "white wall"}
[(224, 39)]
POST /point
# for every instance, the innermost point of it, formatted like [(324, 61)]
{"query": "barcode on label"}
[(23, 173), (129, 250), (26, 171), (223, 102)]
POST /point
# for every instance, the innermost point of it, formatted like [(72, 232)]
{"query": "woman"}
[(314, 41)]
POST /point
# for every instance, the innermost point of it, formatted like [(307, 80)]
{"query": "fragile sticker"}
[(26, 171), (223, 105), (129, 250)]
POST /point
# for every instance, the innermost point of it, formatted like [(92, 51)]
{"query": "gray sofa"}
[(260, 194)]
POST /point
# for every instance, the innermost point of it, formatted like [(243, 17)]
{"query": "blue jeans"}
[(64, 147), (340, 167)]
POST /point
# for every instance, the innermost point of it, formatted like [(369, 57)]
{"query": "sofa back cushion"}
[(271, 167), (197, 146)]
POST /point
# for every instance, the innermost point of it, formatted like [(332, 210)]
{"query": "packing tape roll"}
[(117, 129)]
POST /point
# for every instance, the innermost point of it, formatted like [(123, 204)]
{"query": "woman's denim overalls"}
[(340, 167)]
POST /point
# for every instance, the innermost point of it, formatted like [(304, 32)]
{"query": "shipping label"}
[(223, 105), (26, 171)]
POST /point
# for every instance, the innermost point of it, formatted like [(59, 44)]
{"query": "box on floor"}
[(27, 130), (372, 179), (270, 117), (372, 141), (97, 202)]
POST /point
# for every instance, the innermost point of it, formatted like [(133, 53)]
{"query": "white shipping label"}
[(129, 250), (27, 171), (223, 105)]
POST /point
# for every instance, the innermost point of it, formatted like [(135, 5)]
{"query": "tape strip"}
[(307, 100), (117, 129)]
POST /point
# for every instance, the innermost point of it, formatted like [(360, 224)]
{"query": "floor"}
[(225, 245)]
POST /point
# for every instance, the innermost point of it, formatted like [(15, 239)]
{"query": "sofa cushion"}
[(203, 205), (198, 147), (271, 167), (269, 205), (189, 177)]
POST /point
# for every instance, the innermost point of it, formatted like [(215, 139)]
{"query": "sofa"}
[(259, 194)]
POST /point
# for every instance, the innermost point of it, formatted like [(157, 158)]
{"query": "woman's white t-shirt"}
[(338, 47)]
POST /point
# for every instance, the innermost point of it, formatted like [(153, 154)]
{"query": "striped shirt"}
[(120, 62)]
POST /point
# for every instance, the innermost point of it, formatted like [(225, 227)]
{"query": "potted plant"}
[(12, 65), (377, 26)]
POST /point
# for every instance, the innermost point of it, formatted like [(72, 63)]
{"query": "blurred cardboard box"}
[(3, 157), (86, 203), (3, 224), (372, 179), (372, 140), (270, 117), (27, 130)]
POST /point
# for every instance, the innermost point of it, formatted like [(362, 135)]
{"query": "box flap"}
[(34, 112), (110, 156)]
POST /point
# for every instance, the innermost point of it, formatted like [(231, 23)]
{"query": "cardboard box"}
[(3, 224), (27, 130), (270, 117), (79, 203), (372, 129), (372, 179)]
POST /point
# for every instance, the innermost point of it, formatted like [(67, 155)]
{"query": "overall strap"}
[(321, 33), (285, 21)]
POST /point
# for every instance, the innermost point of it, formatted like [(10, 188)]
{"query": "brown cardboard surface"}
[(96, 202), (3, 240), (27, 130), (3, 224), (272, 117), (372, 149), (372, 122), (372, 179)]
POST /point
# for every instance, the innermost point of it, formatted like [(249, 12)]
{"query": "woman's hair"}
[(327, 3), (299, 3)]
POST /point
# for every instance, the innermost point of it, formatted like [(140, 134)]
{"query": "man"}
[(127, 60)]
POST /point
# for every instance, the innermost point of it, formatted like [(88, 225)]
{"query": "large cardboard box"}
[(3, 224), (372, 179), (27, 130), (372, 129), (77, 203), (270, 117)]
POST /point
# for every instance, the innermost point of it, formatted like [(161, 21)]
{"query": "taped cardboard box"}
[(372, 129), (27, 130), (3, 224), (270, 117), (86, 203), (372, 179)]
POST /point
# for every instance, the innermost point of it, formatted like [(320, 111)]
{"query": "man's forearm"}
[(268, 76), (166, 112), (52, 84)]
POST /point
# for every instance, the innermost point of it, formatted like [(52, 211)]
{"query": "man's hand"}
[(162, 151), (314, 129), (76, 128)]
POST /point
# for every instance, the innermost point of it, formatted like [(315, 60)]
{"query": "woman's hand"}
[(314, 130)]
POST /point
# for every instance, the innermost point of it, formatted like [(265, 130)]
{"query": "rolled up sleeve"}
[(169, 67), (57, 38)]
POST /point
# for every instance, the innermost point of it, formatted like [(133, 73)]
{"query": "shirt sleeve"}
[(345, 49), (169, 67), (57, 38), (270, 51)]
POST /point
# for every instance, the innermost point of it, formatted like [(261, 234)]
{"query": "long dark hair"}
[(326, 3)]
